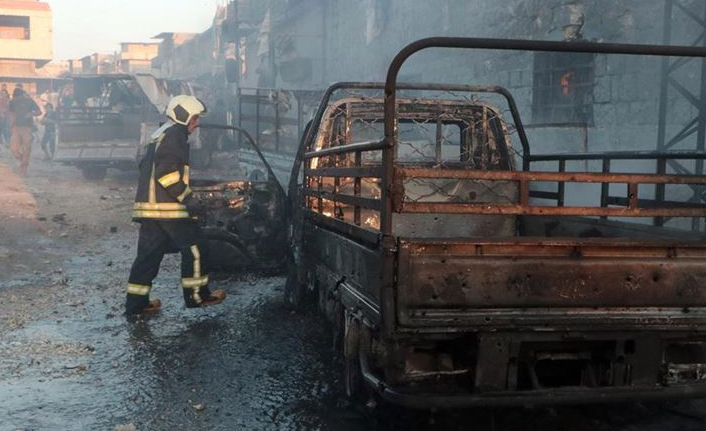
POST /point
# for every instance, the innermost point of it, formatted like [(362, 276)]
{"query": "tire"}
[(94, 173)]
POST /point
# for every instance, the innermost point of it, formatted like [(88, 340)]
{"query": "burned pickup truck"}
[(104, 119), (456, 275)]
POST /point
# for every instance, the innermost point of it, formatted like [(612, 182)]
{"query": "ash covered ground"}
[(69, 359)]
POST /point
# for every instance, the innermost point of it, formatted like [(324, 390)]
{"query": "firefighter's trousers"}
[(158, 238)]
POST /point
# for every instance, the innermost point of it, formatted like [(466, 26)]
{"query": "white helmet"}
[(183, 108)]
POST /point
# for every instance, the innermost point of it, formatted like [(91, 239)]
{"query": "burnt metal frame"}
[(662, 158), (387, 244), (359, 172), (389, 170), (302, 153)]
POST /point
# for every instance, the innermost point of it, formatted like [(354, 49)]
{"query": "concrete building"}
[(26, 44), (75, 66), (164, 64), (137, 56), (99, 63), (611, 102)]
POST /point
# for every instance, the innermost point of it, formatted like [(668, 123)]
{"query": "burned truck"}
[(104, 119), (455, 273)]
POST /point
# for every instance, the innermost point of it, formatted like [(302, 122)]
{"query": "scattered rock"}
[(126, 427), (79, 367), (198, 407)]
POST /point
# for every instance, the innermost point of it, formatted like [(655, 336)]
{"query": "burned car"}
[(244, 215)]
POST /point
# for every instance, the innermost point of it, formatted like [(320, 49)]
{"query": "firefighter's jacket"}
[(164, 176)]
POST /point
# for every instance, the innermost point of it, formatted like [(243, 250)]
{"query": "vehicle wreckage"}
[(245, 220), (452, 280), (105, 119)]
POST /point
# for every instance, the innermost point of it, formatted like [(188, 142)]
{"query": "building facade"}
[(137, 57), (26, 44), (605, 102)]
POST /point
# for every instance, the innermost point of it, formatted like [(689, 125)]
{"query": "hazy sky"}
[(82, 27)]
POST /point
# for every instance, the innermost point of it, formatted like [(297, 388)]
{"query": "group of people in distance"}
[(18, 125)]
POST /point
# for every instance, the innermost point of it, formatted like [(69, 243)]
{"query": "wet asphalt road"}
[(69, 360)]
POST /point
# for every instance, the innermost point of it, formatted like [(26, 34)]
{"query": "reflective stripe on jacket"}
[(164, 177)]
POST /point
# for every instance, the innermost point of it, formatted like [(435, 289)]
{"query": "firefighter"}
[(166, 209)]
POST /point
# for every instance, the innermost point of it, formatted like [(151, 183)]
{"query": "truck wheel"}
[(94, 173)]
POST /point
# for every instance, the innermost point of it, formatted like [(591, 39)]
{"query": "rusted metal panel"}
[(530, 274), (538, 210), (580, 177), (522, 206), (539, 246), (350, 261), (553, 282), (583, 321)]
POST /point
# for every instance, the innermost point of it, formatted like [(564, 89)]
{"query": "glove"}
[(193, 205)]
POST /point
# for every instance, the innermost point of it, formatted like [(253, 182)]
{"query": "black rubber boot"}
[(136, 304), (208, 298)]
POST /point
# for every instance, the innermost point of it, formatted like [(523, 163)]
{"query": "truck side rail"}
[(662, 160), (80, 115), (634, 208)]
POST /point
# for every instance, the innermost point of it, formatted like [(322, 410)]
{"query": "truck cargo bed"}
[(534, 281)]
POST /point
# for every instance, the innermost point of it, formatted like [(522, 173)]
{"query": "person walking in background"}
[(49, 137), (4, 115), (23, 111)]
